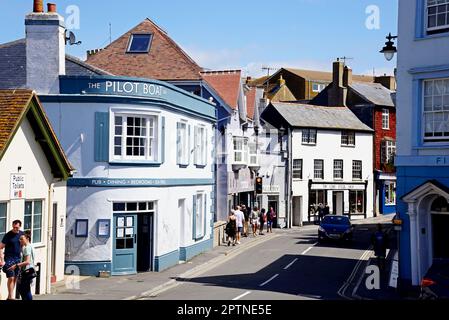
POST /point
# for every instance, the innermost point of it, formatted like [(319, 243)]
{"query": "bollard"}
[(38, 278)]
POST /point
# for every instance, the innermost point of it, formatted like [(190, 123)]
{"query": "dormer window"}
[(140, 43)]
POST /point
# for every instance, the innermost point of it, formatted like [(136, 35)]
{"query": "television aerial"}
[(71, 38)]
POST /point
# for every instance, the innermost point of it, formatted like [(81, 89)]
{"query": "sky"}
[(235, 34)]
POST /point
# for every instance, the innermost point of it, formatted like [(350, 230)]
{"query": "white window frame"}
[(32, 229), (200, 215), (388, 151), (390, 193), (147, 50), (385, 119), (253, 154), (307, 135), (318, 173), (200, 142), (243, 151), (297, 169), (433, 3), (356, 170), (183, 143), (348, 138), (155, 156), (338, 169), (439, 105), (2, 234)]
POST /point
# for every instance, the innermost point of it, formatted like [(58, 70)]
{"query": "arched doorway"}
[(440, 228)]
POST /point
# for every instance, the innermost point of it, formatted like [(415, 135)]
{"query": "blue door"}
[(124, 255)]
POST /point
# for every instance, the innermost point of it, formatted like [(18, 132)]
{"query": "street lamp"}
[(389, 50)]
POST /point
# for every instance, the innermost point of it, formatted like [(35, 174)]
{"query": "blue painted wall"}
[(410, 178), (166, 261), (188, 253), (87, 268)]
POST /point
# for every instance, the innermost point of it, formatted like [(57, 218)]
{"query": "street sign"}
[(17, 187)]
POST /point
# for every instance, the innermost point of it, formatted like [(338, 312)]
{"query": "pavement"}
[(133, 287)]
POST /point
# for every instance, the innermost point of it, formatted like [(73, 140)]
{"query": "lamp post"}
[(389, 50)]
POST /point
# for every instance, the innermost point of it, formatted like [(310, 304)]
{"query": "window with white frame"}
[(297, 169), (135, 137), (319, 169), (253, 154), (338, 169), (3, 219), (385, 119), (33, 219), (200, 146), (182, 143), (240, 150), (437, 15), (357, 170), (390, 193), (140, 43), (348, 138), (309, 136), (388, 151), (318, 87), (436, 110), (200, 215)]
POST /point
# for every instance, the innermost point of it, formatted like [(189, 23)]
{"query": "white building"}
[(330, 160), (33, 174)]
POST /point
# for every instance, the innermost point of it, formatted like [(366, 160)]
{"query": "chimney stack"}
[(338, 92), (45, 49), (347, 77), (388, 82), (38, 6)]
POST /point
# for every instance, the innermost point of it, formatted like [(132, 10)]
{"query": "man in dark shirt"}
[(11, 256)]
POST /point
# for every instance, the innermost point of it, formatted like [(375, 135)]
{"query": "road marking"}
[(241, 296), (305, 252), (291, 263), (268, 281)]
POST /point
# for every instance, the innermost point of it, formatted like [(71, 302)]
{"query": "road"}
[(291, 266)]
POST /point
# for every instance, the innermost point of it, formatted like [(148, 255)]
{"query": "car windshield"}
[(336, 220)]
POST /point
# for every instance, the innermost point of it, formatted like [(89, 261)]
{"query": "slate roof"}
[(310, 116), (374, 93), (14, 108), (226, 83), (13, 66), (164, 61)]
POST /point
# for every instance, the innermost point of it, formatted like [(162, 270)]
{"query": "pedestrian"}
[(380, 243), (240, 218), (327, 210), (255, 220), (26, 267), (11, 256), (231, 228), (271, 216), (320, 212), (246, 213), (262, 219)]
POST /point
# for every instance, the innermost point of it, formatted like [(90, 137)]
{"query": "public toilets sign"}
[(17, 186)]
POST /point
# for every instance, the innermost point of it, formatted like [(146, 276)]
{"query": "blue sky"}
[(237, 34)]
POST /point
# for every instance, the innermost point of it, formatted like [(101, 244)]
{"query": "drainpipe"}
[(290, 177), (49, 238)]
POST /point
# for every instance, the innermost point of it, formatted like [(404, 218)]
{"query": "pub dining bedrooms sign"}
[(17, 187)]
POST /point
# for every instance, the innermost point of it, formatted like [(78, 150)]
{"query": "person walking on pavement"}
[(263, 219), (255, 220), (327, 210), (380, 243), (271, 220), (11, 256), (240, 221), (25, 267), (246, 213), (231, 228)]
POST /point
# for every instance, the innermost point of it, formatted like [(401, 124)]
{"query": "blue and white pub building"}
[(141, 199)]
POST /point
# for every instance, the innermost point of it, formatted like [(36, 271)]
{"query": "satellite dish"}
[(71, 39)]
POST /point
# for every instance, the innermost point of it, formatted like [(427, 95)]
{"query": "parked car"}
[(335, 228), (435, 284)]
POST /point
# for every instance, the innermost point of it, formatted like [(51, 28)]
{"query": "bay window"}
[(240, 150)]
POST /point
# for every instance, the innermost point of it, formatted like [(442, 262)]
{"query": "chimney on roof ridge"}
[(51, 7), (38, 6), (347, 77), (281, 81), (338, 92), (388, 82)]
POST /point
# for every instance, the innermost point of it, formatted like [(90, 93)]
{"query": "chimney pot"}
[(38, 6), (51, 7)]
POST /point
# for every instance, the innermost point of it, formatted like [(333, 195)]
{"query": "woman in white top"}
[(26, 267)]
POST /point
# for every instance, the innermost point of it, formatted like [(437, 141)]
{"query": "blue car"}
[(335, 228)]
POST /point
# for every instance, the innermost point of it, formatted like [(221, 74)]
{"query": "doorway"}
[(273, 202), (145, 242), (338, 202), (297, 211), (440, 224), (124, 259)]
